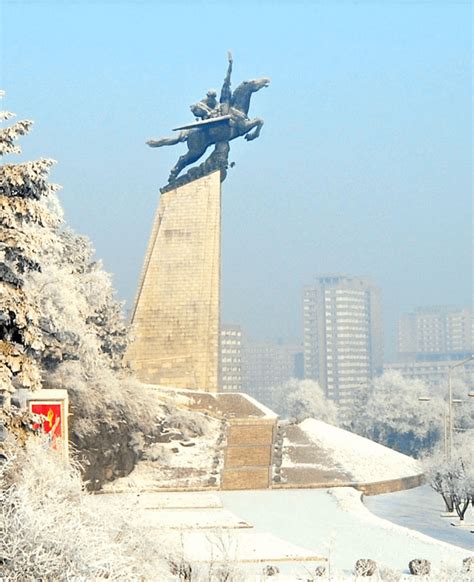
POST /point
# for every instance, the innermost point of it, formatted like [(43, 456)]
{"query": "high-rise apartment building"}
[(434, 369), (267, 365), (230, 369), (343, 346), (431, 342), (435, 330)]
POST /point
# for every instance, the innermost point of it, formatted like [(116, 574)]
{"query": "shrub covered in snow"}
[(49, 532), (365, 567)]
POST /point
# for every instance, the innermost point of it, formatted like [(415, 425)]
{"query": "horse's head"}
[(241, 95), (257, 84)]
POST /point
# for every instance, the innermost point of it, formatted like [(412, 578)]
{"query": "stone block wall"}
[(175, 322), (248, 455)]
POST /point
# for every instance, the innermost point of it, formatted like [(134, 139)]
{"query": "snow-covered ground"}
[(363, 459), (336, 524), (293, 529), (296, 530), (197, 527), (193, 463)]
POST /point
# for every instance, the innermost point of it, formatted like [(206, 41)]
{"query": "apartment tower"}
[(230, 370), (436, 330), (343, 348)]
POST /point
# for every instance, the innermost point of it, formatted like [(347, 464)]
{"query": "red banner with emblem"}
[(51, 421)]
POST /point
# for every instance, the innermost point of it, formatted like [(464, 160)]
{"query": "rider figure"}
[(207, 107)]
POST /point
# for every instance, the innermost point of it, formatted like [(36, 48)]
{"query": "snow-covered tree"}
[(300, 399), (61, 326), (463, 407), (453, 478), (80, 318), (390, 413), (26, 222), (57, 302)]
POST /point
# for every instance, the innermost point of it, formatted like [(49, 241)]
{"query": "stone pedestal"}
[(175, 321)]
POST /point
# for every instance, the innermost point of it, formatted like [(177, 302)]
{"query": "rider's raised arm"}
[(226, 93)]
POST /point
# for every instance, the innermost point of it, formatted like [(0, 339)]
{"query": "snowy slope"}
[(365, 460)]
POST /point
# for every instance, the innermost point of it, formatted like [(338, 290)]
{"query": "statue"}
[(207, 107), (217, 124)]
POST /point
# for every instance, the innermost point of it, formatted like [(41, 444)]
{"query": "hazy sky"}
[(363, 165)]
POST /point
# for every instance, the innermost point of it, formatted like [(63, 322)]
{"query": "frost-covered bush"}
[(419, 567), (365, 567), (48, 530), (390, 413), (60, 325)]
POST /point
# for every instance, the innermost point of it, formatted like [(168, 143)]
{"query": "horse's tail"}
[(168, 141)]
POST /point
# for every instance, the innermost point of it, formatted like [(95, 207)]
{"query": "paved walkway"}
[(420, 509), (198, 525)]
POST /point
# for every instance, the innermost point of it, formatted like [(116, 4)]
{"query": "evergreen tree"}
[(25, 220), (57, 303), (61, 326)]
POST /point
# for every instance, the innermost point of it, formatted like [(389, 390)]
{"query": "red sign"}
[(51, 418)]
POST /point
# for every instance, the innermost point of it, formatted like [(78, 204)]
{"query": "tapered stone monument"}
[(175, 321)]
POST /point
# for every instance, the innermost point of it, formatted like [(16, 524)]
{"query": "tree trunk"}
[(448, 501), (461, 506)]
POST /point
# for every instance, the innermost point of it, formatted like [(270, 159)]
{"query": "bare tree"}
[(454, 479)]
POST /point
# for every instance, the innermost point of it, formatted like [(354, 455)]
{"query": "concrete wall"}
[(375, 488), (176, 315)]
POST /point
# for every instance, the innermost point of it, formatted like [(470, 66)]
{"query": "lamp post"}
[(450, 406), (445, 421)]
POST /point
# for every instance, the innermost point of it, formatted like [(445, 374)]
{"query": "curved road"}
[(420, 509)]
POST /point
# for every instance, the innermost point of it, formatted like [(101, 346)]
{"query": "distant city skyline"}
[(391, 348), (436, 329), (434, 341), (363, 165)]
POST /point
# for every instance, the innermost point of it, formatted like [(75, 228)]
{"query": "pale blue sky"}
[(363, 165)]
